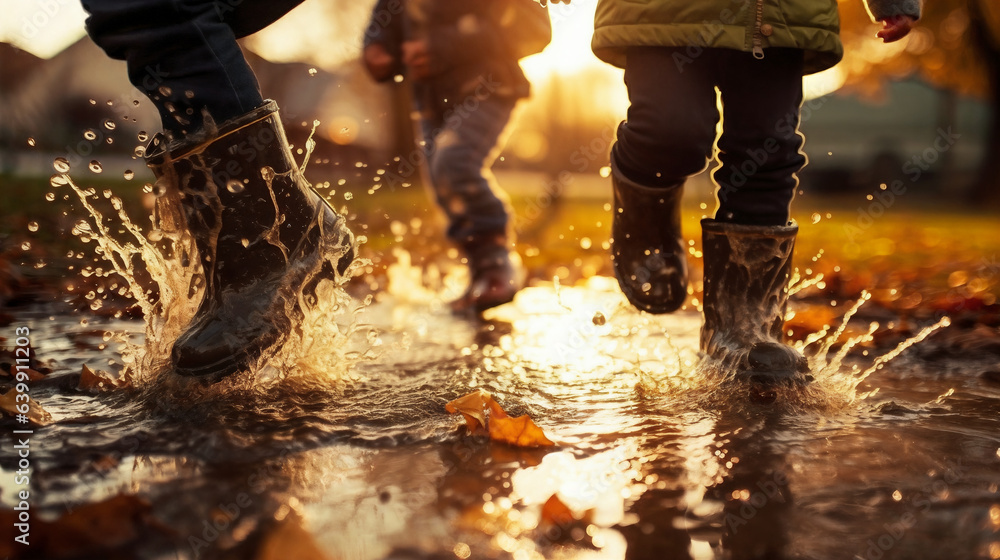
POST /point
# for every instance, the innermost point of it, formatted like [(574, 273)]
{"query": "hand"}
[(895, 28), (379, 62), (417, 57)]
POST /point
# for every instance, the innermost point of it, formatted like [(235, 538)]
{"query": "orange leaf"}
[(473, 408), (556, 512), (480, 410), (520, 431), (91, 380)]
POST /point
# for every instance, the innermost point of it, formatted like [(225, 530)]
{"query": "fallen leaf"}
[(554, 511), (36, 414), (288, 538), (482, 412), (110, 524), (100, 380)]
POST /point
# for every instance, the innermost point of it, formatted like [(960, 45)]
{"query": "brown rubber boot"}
[(746, 294), (263, 234), (493, 275), (646, 244)]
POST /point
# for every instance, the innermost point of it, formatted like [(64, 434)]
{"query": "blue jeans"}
[(460, 145), (670, 130), (183, 54)]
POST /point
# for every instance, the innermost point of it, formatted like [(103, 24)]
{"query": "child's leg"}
[(759, 147), (670, 127), (668, 136), (183, 55), (748, 247), (460, 149)]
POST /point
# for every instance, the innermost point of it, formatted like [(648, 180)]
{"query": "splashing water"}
[(322, 341)]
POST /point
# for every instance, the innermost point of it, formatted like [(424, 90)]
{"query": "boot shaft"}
[(746, 283), (241, 196)]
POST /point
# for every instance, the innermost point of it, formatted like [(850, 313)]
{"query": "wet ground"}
[(348, 453)]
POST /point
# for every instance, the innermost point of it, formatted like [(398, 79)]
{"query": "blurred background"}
[(924, 111)]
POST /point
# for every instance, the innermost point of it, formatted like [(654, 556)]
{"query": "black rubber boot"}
[(493, 275), (264, 237), (646, 244), (746, 294)]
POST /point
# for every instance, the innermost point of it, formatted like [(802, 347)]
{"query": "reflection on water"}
[(656, 456)]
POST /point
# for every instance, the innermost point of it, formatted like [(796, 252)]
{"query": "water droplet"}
[(90, 135), (31, 141), (32, 226), (147, 188), (58, 180), (189, 94), (26, 245), (61, 165), (109, 140), (165, 91), (140, 151), (142, 136), (50, 196), (159, 189), (95, 166), (245, 242), (109, 124), (135, 102), (599, 319), (816, 217), (129, 174), (313, 71), (235, 186), (348, 195)]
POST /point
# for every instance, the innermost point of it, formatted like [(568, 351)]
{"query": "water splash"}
[(319, 347)]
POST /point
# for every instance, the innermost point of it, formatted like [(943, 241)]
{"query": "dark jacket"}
[(470, 42)]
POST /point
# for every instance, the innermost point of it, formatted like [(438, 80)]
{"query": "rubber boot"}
[(646, 244), (746, 294), (493, 275), (263, 235)]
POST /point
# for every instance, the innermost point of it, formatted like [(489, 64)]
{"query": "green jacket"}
[(746, 25)]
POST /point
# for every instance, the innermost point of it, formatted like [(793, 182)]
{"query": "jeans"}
[(460, 145), (670, 129), (183, 54)]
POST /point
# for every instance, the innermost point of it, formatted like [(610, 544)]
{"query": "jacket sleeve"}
[(882, 9)]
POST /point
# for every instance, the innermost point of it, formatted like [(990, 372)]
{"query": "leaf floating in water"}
[(100, 380), (36, 414), (482, 413), (556, 512), (288, 538)]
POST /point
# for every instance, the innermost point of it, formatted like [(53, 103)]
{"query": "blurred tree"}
[(956, 45)]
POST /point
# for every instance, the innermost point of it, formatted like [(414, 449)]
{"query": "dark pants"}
[(183, 54), (671, 127), (460, 146)]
